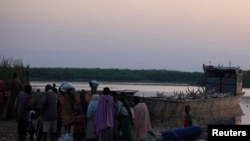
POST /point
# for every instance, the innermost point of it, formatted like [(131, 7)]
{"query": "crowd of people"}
[(83, 116), (63, 112)]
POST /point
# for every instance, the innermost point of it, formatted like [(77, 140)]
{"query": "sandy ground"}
[(8, 130)]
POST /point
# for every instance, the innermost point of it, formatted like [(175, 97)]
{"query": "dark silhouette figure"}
[(23, 106), (187, 117)]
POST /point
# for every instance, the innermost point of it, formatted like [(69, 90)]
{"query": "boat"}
[(222, 90)]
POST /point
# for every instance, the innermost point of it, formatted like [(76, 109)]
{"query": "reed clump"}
[(9, 66)]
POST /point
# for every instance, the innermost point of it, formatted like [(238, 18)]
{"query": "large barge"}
[(222, 92)]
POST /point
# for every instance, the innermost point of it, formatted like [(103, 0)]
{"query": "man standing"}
[(16, 87), (49, 113), (105, 116), (23, 105)]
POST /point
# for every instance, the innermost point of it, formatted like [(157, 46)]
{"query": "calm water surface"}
[(145, 89)]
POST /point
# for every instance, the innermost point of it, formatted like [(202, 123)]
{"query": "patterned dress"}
[(67, 110)]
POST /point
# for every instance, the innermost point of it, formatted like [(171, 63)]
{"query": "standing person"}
[(84, 102), (32, 124), (126, 120), (49, 113), (2, 93), (104, 121), (59, 116), (23, 106), (117, 124), (67, 90), (141, 121), (16, 87), (54, 88), (78, 123), (39, 126), (187, 117), (93, 85), (91, 114)]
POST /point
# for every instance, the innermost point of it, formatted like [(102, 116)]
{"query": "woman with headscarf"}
[(141, 121), (67, 90), (104, 121), (91, 114), (126, 120)]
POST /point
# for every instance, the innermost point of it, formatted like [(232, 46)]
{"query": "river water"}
[(151, 89)]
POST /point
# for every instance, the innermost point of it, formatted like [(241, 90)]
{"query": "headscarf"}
[(92, 107), (141, 122), (105, 113)]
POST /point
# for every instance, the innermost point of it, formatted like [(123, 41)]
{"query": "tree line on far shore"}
[(116, 75), (9, 66), (124, 75)]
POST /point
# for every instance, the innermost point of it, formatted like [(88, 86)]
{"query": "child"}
[(32, 124), (187, 117)]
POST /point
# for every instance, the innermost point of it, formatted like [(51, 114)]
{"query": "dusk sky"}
[(127, 34)]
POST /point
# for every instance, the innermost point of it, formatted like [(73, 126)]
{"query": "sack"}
[(66, 137)]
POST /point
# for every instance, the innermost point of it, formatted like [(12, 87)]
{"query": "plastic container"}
[(189, 133)]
